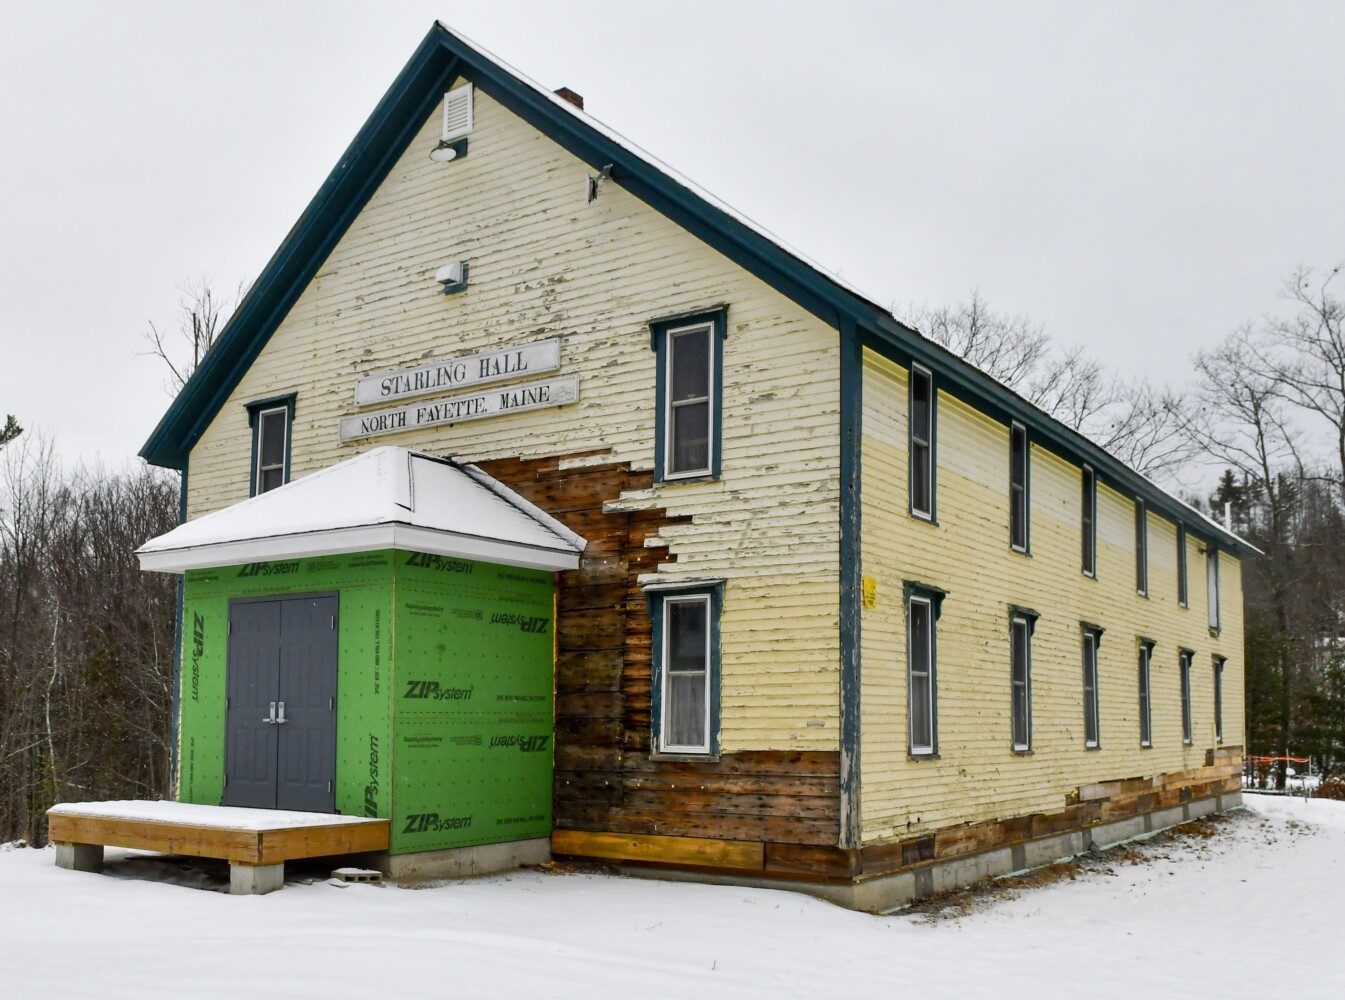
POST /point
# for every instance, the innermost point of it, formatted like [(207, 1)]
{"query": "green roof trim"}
[(441, 58)]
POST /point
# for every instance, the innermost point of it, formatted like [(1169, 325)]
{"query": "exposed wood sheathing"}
[(977, 776), (606, 779)]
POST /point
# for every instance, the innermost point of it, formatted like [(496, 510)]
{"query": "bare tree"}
[(1305, 354), (1134, 421), (201, 317)]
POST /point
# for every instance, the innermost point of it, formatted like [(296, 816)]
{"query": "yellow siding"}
[(543, 262), (977, 776)]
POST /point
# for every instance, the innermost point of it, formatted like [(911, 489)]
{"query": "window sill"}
[(1020, 552), (1092, 746), (684, 756), (1146, 746), (1089, 576), (929, 519), (707, 477), (922, 756), (1022, 751)]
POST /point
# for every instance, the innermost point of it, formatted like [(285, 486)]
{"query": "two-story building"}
[(568, 512)]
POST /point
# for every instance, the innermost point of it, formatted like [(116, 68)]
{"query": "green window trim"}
[(1020, 489), (1219, 662), (1141, 548), (1184, 658), (1022, 625), (1145, 679), (694, 597), (1183, 582), (1088, 517), (259, 411), (924, 605), (665, 335), (1092, 702), (923, 448)]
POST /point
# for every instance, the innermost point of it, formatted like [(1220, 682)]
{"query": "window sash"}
[(1183, 595), (1018, 499), (1212, 585), (1145, 696), (272, 424), (1020, 655), (685, 689), (920, 675), (687, 453), (921, 415), (1186, 697), (1218, 700), (1089, 522), (1090, 695), (1141, 548)]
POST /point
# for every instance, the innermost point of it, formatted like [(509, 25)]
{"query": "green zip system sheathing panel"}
[(444, 690)]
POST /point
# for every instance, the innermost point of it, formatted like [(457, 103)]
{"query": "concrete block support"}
[(464, 862), (255, 880), (80, 857)]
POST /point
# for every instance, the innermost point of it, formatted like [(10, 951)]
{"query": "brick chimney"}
[(576, 99)]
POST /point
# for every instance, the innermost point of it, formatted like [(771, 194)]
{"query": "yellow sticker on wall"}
[(870, 592)]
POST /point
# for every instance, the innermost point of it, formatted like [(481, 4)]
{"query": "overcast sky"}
[(1138, 178)]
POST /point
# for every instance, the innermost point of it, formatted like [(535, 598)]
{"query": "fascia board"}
[(360, 539)]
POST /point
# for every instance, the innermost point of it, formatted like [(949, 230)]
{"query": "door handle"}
[(281, 720), (272, 717)]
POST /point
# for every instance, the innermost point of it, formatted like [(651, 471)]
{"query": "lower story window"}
[(1146, 713), (1021, 625), (1219, 698), (922, 679), (1091, 726), (1186, 695), (686, 664)]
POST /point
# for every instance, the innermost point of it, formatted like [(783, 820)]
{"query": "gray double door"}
[(280, 723)]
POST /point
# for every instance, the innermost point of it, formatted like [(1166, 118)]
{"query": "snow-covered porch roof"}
[(382, 499)]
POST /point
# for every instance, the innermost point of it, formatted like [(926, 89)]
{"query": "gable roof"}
[(445, 56), (387, 498)]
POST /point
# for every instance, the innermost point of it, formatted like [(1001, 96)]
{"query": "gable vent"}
[(458, 112)]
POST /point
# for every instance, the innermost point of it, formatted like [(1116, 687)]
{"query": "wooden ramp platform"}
[(255, 842)]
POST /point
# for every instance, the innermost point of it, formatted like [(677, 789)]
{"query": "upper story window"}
[(1183, 595), (1141, 548), (922, 420), (1018, 488), (271, 420), (689, 389), (1212, 585), (686, 667), (1088, 508)]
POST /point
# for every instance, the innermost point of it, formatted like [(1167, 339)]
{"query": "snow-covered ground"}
[(1255, 910)]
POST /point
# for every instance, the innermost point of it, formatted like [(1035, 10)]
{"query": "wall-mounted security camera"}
[(453, 276)]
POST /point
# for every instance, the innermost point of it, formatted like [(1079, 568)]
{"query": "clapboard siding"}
[(544, 263), (977, 776)]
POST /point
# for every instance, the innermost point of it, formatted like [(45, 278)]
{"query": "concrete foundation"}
[(255, 880), (884, 893), (463, 862), (80, 857)]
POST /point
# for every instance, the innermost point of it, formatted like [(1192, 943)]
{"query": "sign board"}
[(465, 406), (456, 373)]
